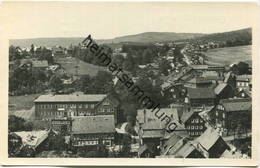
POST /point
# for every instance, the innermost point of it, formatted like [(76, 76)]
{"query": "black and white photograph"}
[(161, 80)]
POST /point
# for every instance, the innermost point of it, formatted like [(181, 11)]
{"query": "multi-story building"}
[(194, 124), (48, 107), (233, 113), (244, 82)]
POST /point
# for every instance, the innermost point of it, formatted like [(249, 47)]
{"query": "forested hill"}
[(238, 37)]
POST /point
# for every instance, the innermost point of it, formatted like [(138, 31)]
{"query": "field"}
[(229, 55), (73, 67), (17, 103)]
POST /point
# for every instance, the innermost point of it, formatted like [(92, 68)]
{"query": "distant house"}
[(231, 113), (244, 82), (58, 52), (201, 96), (212, 143), (49, 107), (194, 124), (93, 130), (39, 65)]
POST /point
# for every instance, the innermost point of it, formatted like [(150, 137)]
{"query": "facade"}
[(194, 124), (93, 130), (232, 113), (49, 107), (244, 82)]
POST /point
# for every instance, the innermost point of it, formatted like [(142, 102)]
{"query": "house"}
[(211, 142), (200, 97), (244, 82), (58, 52), (223, 91), (175, 91), (93, 130), (194, 123), (233, 113), (213, 76), (50, 106), (61, 125), (39, 65), (180, 147), (198, 82), (30, 141)]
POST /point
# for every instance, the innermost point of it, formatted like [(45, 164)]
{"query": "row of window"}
[(92, 142), (195, 133), (52, 113), (242, 84), (107, 110), (195, 127), (197, 120), (49, 106)]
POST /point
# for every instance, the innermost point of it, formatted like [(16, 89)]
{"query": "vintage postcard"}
[(129, 83)]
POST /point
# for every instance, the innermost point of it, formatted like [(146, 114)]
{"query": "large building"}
[(48, 107), (200, 97)]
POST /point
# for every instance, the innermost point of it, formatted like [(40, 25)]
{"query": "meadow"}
[(229, 55)]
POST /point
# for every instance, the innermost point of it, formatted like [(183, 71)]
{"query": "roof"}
[(33, 138), (208, 138), (220, 87), (197, 67), (171, 142), (198, 80), (242, 104), (153, 133), (185, 150), (71, 98), (93, 124), (40, 64), (201, 93), (186, 115)]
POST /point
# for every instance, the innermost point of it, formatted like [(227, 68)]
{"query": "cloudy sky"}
[(109, 20)]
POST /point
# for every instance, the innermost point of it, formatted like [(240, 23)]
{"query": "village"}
[(82, 110)]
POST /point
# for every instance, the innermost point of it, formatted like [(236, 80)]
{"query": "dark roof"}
[(201, 93), (220, 87), (93, 124), (236, 104), (185, 150)]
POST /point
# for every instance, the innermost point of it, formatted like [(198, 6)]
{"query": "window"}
[(92, 106), (224, 115), (112, 109), (80, 105), (86, 105), (192, 127), (216, 113)]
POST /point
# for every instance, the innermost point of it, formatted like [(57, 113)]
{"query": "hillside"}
[(238, 35), (148, 37)]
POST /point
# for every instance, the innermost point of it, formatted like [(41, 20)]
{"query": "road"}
[(186, 58)]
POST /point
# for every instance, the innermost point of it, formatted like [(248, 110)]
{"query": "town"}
[(65, 102)]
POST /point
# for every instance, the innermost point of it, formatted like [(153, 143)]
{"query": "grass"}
[(21, 102), (229, 55)]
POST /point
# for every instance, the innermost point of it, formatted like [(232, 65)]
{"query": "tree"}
[(164, 67), (32, 49), (18, 124), (56, 83)]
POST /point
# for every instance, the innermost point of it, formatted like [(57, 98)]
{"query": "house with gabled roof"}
[(92, 130), (211, 143), (231, 113)]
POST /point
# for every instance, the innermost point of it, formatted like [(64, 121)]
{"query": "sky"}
[(113, 19)]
